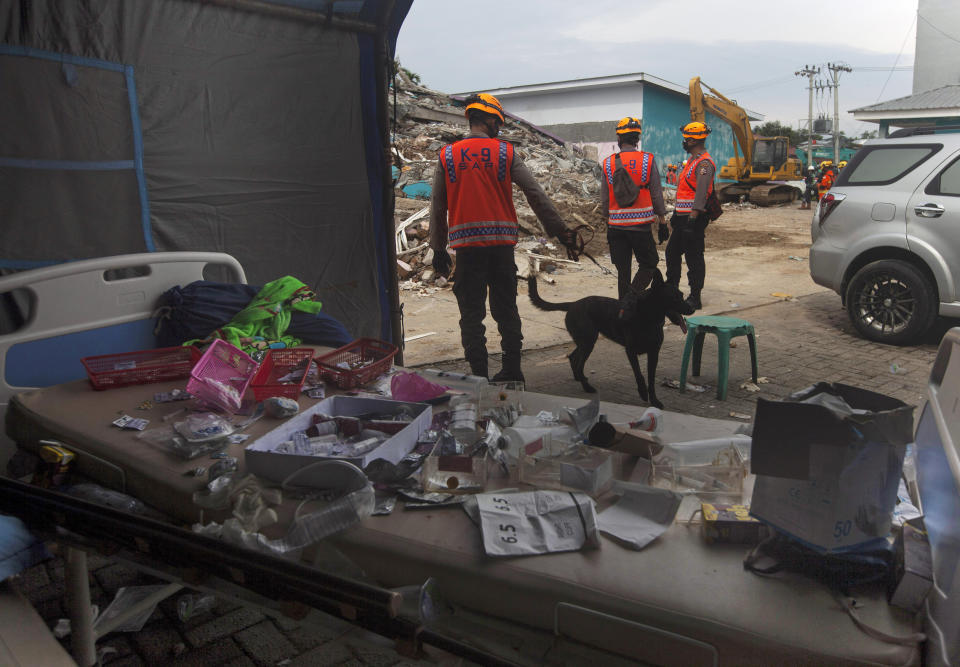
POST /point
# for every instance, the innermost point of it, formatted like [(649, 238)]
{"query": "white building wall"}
[(937, 59), (576, 105)]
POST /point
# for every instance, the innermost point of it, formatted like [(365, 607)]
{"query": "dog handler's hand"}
[(663, 232), (568, 238), (441, 262)]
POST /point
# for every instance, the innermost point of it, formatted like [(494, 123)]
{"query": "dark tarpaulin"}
[(237, 127)]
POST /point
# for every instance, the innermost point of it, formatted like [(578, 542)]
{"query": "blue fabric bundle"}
[(203, 306)]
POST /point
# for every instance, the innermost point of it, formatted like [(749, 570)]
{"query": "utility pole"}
[(835, 69), (809, 72)]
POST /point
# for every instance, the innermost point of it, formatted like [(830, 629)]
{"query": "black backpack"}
[(625, 191)]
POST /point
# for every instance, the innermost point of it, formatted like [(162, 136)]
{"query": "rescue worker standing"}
[(689, 222), (671, 174), (826, 178), (473, 187), (629, 228), (810, 187)]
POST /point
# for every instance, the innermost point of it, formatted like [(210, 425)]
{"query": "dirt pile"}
[(426, 120)]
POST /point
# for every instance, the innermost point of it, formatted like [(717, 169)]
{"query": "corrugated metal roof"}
[(947, 97)]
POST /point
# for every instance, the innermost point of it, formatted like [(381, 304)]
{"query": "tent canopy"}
[(252, 127)]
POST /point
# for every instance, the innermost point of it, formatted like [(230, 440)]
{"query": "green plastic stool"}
[(724, 328)]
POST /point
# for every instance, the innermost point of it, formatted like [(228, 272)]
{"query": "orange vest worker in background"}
[(629, 227)]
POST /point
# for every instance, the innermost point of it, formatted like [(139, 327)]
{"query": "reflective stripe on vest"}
[(687, 184), (479, 192), (641, 211)]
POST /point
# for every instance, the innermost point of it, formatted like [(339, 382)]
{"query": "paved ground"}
[(800, 342)]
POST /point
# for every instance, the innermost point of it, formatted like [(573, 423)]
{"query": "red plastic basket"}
[(375, 355), (276, 364), (107, 371), (223, 364)]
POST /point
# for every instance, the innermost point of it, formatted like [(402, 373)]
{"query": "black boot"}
[(694, 300), (479, 368), (510, 372)]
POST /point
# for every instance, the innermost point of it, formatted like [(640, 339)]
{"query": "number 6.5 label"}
[(508, 533)]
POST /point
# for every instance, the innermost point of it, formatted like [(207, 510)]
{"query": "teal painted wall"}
[(664, 111)]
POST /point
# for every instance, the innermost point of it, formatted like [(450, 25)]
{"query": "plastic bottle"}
[(335, 516), (651, 421)]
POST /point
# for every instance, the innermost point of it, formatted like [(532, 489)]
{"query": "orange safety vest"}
[(687, 184), (671, 178), (638, 164), (825, 184), (479, 193)]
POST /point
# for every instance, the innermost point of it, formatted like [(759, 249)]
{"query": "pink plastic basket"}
[(222, 375)]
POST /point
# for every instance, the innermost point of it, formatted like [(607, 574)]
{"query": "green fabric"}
[(264, 321)]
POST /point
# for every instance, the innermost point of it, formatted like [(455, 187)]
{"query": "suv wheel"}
[(891, 301)]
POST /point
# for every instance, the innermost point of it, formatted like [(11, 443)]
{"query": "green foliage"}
[(775, 128), (413, 76)]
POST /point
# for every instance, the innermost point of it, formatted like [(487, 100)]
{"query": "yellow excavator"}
[(764, 159)]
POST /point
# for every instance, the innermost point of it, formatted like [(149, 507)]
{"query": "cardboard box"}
[(264, 462), (913, 565), (828, 475), (731, 524)]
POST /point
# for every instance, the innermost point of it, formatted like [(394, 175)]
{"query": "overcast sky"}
[(746, 49)]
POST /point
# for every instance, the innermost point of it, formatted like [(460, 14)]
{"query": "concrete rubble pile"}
[(426, 120)]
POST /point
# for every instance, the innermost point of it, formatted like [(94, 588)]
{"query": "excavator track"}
[(763, 194), (771, 194)]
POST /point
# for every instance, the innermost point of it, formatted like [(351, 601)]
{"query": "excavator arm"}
[(730, 112)]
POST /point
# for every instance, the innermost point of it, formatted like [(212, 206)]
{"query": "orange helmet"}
[(695, 130), (629, 124), (486, 103)]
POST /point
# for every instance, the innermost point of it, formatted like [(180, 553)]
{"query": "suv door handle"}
[(929, 210)]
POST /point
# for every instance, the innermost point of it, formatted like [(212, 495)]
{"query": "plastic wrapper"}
[(203, 427), (412, 387)]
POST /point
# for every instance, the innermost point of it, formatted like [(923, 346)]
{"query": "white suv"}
[(886, 237)]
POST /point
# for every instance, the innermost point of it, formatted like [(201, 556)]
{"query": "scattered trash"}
[(641, 515), (280, 407), (675, 384), (734, 305), (419, 336), (894, 368), (781, 295), (127, 597), (763, 380), (749, 386), (740, 415), (796, 259), (132, 423), (733, 343), (193, 604), (146, 405)]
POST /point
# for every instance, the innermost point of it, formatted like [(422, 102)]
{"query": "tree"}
[(775, 128), (413, 76)]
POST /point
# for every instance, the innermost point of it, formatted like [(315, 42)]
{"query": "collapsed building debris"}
[(426, 120)]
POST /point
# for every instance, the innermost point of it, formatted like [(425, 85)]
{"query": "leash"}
[(579, 248)]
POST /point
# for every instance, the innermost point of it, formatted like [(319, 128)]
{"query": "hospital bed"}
[(678, 601)]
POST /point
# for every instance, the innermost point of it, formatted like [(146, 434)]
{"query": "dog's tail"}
[(540, 303)]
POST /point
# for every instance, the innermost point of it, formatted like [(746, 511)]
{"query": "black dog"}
[(640, 330)]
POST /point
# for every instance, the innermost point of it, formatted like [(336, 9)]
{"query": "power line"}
[(937, 29), (898, 55)]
